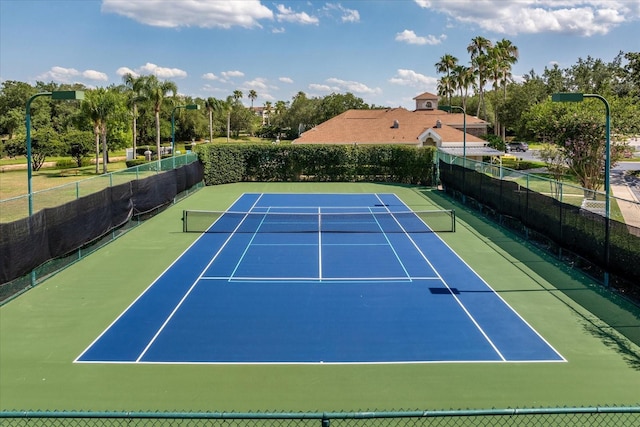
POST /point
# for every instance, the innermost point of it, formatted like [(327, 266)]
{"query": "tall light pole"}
[(448, 108), (60, 94), (579, 97), (173, 123)]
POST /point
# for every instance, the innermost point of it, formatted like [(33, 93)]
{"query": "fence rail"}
[(598, 416), (52, 238), (565, 219), (18, 207)]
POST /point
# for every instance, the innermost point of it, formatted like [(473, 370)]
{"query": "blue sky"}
[(381, 51)]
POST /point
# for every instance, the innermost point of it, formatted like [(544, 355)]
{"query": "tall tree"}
[(446, 65), (156, 91), (252, 96), (134, 85), (213, 106), (267, 109), (237, 95), (478, 49), (506, 55), (97, 106), (464, 78)]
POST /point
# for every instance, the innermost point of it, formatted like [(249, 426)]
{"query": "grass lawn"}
[(13, 183), (45, 329)]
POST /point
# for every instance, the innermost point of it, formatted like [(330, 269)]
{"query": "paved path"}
[(626, 187)]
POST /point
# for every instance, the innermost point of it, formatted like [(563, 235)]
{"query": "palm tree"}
[(252, 96), (237, 95), (445, 65), (98, 105), (493, 72), (267, 109), (445, 87), (155, 91), (478, 49), (134, 85), (464, 80), (505, 55)]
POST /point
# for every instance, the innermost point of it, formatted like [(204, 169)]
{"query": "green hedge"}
[(226, 163)]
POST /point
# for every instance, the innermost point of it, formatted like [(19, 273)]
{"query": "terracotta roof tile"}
[(377, 127)]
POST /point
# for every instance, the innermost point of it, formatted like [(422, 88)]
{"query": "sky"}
[(381, 51)]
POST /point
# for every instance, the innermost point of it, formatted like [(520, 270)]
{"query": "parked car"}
[(518, 146)]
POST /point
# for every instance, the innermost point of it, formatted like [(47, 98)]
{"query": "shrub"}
[(66, 164), (225, 163), (135, 162)]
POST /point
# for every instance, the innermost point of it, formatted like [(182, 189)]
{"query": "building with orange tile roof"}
[(425, 126)]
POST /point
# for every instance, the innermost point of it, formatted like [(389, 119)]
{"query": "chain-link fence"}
[(568, 220), (18, 207), (38, 245), (565, 417)]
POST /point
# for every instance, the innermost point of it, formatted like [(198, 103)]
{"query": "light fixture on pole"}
[(579, 97), (58, 95)]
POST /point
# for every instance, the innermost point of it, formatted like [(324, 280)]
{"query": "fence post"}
[(325, 421)]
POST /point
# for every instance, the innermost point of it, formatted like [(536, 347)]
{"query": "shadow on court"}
[(617, 312)]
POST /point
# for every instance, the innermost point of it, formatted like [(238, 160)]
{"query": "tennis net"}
[(198, 221)]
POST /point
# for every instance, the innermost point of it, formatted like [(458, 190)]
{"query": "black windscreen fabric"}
[(153, 192), (194, 172), (181, 179), (571, 227), (24, 244), (50, 233), (79, 222)]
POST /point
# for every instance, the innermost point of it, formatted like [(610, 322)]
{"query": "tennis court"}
[(389, 339), (319, 278)]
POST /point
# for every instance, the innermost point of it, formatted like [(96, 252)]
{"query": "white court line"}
[(145, 291), (391, 246), (193, 285), (489, 287), (316, 280), (319, 244), (475, 322)]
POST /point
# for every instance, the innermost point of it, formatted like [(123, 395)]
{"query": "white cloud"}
[(286, 80), (95, 75), (286, 14), (346, 15), (60, 74), (161, 72), (413, 79), (149, 68), (257, 84), (191, 13), (210, 76), (410, 37), (71, 75), (582, 17), (351, 86), (323, 88), (231, 74), (122, 71)]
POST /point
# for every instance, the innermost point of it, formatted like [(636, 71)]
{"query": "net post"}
[(184, 221), (453, 220)]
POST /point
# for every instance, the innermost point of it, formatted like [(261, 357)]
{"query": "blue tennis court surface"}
[(370, 286)]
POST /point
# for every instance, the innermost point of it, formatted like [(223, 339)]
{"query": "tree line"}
[(137, 113), (573, 134)]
